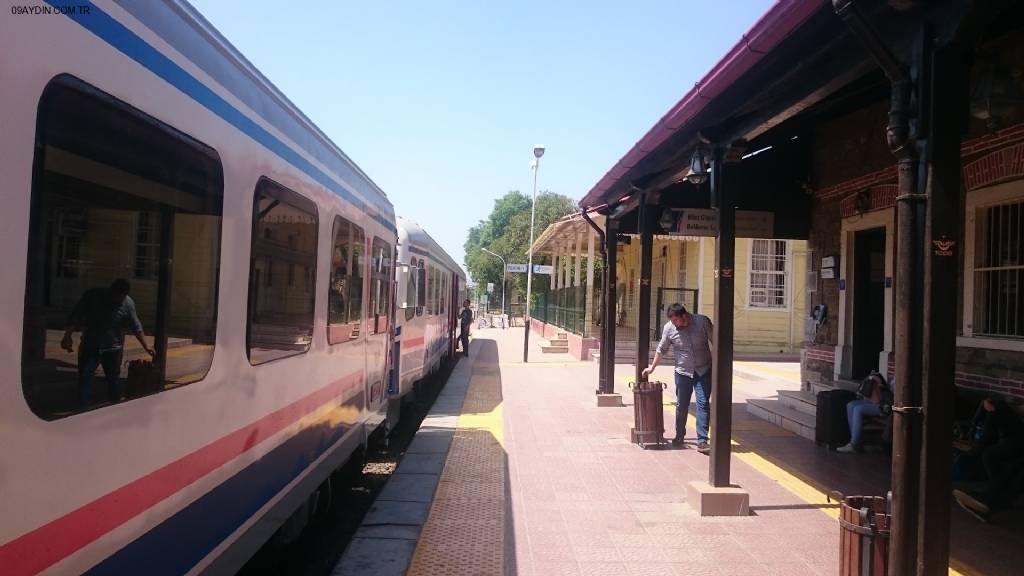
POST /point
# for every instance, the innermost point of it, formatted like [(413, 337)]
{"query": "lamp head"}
[(698, 171), (538, 150)]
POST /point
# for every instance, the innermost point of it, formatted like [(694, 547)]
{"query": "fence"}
[(564, 307), (628, 309)]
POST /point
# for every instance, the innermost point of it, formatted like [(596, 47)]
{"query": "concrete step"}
[(777, 413), (554, 346), (800, 400), (837, 384)]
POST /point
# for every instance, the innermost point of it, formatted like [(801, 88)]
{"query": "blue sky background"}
[(441, 101)]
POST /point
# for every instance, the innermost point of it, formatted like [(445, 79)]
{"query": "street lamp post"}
[(504, 269), (538, 151)]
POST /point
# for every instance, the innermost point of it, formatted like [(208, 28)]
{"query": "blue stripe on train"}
[(169, 23), (181, 541), (127, 42)]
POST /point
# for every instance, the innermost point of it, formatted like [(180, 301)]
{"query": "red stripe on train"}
[(41, 548), (412, 342)]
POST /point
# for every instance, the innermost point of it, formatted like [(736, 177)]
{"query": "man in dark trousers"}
[(466, 320), (103, 314), (689, 335)]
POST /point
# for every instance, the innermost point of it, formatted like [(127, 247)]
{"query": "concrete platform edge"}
[(386, 539)]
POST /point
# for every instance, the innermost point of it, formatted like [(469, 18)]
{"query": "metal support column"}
[(643, 341), (908, 331), (588, 304), (946, 113), (723, 197), (607, 378)]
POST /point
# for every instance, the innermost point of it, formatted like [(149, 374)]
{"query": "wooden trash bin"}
[(864, 535), (648, 413)]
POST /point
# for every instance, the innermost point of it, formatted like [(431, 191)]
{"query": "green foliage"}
[(507, 232)]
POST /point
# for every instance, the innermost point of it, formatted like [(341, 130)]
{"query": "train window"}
[(380, 284), (442, 292), (410, 291), (430, 290), (421, 287), (280, 312), (124, 239), (433, 282), (437, 291), (345, 291)]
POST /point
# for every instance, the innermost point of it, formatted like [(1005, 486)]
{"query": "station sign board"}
[(542, 269), (701, 222), (516, 268)]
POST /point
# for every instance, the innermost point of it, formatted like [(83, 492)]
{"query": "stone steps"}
[(780, 413), (557, 345), (795, 410), (800, 400)]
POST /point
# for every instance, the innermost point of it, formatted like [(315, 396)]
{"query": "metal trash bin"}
[(648, 413), (864, 534)]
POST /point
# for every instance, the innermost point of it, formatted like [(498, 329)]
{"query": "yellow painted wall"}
[(756, 330)]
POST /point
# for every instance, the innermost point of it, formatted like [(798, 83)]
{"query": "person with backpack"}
[(874, 399)]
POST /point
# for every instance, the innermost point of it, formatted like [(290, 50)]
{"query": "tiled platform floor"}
[(542, 482)]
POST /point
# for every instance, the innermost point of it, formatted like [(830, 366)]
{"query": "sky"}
[(441, 102)]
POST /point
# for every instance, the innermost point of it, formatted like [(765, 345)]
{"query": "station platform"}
[(516, 471)]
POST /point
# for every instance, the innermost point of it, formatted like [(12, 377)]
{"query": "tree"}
[(506, 232)]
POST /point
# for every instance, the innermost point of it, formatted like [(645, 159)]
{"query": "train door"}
[(378, 321), (395, 355)]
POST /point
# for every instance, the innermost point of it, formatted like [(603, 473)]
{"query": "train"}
[(210, 309)]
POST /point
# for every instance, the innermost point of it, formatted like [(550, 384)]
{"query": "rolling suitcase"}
[(831, 427)]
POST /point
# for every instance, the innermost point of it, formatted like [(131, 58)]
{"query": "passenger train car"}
[(138, 144), (430, 291)]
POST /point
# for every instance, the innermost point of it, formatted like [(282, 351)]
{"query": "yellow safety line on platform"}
[(767, 368), (465, 531), (803, 489), (488, 421)]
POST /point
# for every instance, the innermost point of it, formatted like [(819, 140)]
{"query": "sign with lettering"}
[(540, 269), (702, 222), (516, 268)]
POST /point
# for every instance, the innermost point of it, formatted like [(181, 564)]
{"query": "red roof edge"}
[(767, 33)]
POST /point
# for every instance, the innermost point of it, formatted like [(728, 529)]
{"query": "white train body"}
[(429, 294), (137, 143)]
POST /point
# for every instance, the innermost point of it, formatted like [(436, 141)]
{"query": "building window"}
[(117, 195), (768, 274), (345, 292), (999, 270), (147, 246), (280, 313)]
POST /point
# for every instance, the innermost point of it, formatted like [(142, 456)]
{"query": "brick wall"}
[(824, 240), (817, 363), (998, 371)]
